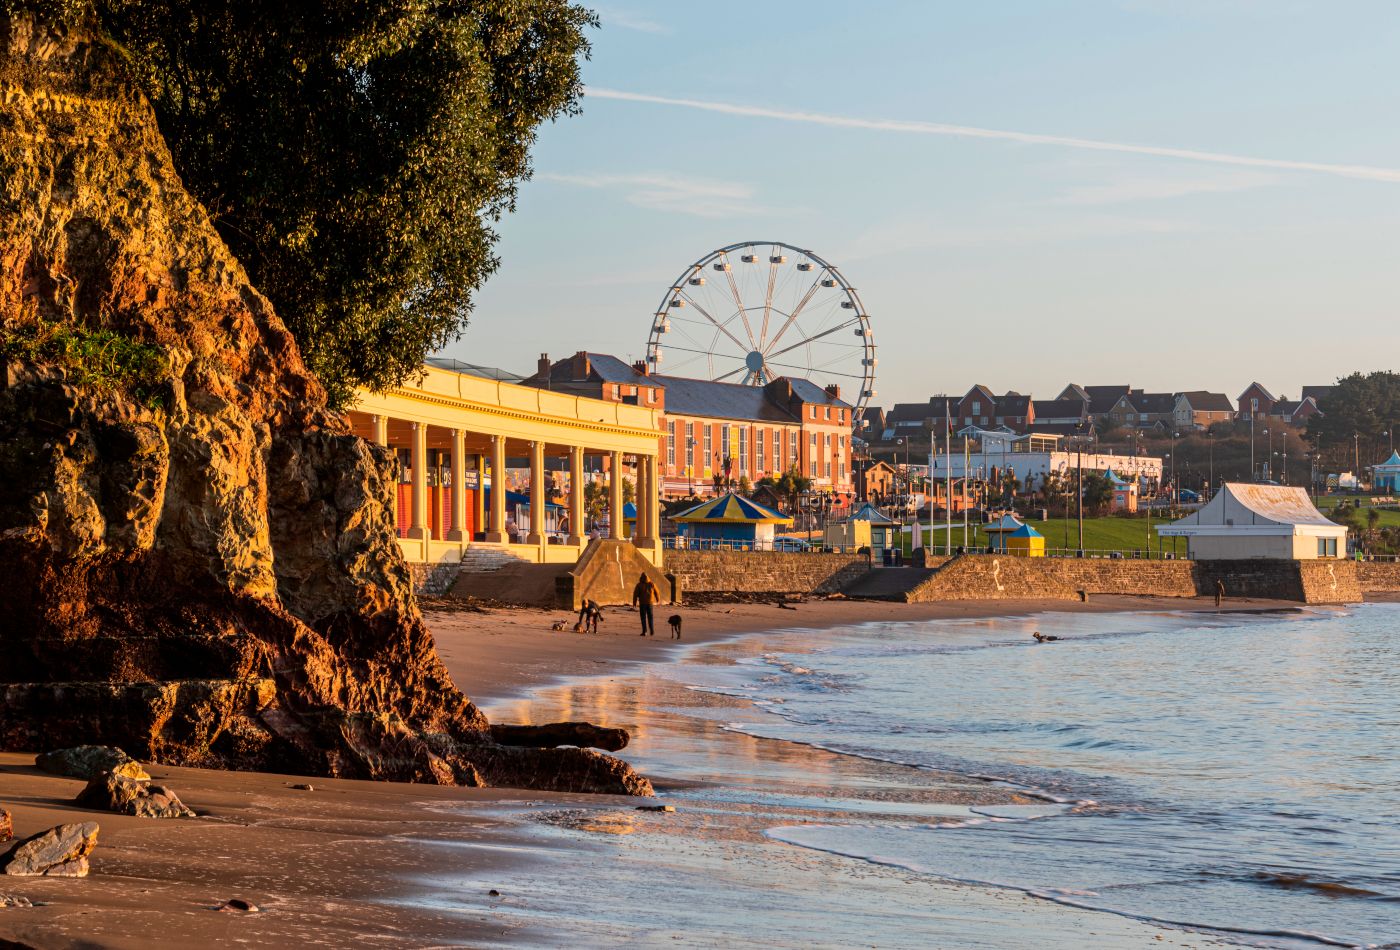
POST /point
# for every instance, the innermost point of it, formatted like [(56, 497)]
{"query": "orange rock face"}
[(207, 575)]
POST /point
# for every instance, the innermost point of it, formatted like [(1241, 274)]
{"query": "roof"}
[(907, 412), (1003, 524), (1026, 531), (1201, 401), (1318, 393), (980, 390), (703, 397), (1393, 461), (868, 512), (1103, 398), (1060, 428), (1262, 391), (1240, 508), (808, 391), (731, 508), (1013, 404), (1155, 403), (1286, 407), (473, 369), (1059, 408)]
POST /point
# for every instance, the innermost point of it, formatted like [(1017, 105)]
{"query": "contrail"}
[(1367, 172)]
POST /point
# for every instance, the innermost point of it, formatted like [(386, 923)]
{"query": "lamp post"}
[(1210, 444), (1269, 456), (1176, 495), (690, 462), (1079, 483)]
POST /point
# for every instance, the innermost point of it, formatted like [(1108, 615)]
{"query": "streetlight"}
[(1079, 482), (1269, 457), (1210, 444), (690, 461)]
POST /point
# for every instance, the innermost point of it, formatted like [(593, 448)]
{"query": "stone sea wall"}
[(757, 572)]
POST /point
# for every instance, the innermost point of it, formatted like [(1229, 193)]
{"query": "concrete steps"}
[(888, 583)]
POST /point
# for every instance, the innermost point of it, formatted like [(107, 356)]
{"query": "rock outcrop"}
[(201, 561), (581, 734), (129, 796), (7, 826), (59, 852), (91, 761)]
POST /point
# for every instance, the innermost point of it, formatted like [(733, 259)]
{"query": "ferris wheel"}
[(751, 312)]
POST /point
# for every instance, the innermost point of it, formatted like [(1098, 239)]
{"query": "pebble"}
[(304, 787), (239, 904)]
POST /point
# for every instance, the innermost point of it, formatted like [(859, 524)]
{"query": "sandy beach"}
[(402, 865)]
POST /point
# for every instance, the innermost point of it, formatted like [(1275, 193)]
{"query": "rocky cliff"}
[(199, 562)]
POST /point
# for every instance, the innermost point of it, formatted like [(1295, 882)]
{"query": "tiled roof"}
[(703, 397), (1264, 392), (1153, 403), (1202, 401), (907, 412), (1013, 404), (1059, 408), (810, 392), (1318, 393)]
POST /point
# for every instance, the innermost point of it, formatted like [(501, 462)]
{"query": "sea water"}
[(1233, 772)]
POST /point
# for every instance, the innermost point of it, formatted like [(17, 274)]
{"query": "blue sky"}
[(1019, 260)]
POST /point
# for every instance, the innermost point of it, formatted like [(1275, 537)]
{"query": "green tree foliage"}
[(1098, 493), (1356, 419), (353, 153), (789, 485)]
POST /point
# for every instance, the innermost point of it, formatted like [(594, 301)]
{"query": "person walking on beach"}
[(1219, 592), (643, 596)]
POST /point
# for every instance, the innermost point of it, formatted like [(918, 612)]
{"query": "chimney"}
[(833, 390), (542, 367), (582, 368), (641, 367)]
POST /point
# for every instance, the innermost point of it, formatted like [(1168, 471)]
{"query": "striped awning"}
[(731, 508)]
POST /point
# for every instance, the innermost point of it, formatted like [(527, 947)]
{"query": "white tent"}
[(1259, 521)]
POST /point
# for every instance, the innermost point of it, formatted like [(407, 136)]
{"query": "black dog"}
[(675, 622)]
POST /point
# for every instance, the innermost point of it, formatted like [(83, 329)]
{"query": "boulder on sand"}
[(90, 761), (127, 796), (7, 828), (59, 852), (585, 735)]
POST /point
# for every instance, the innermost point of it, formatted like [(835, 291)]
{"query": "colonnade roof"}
[(457, 400)]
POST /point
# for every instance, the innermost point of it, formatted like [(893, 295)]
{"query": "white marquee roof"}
[(1241, 509)]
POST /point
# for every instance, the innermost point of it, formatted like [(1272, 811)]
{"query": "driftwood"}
[(582, 734)]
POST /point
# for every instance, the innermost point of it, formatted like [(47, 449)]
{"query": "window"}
[(743, 450), (814, 412), (689, 444), (813, 463), (671, 444), (792, 450), (759, 437), (1326, 547), (976, 408), (709, 449), (651, 395), (827, 411), (777, 450)]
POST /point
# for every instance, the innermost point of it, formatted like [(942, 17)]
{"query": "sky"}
[(1173, 195)]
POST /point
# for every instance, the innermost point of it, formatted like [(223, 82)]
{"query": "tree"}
[(353, 154), (1098, 492), (745, 486), (1356, 418)]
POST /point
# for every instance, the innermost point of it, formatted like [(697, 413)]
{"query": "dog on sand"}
[(675, 621)]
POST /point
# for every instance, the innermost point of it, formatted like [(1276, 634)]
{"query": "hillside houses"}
[(1078, 410)]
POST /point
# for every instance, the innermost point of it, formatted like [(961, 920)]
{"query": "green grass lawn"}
[(1100, 534)]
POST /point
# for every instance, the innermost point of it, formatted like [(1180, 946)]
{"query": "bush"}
[(101, 361)]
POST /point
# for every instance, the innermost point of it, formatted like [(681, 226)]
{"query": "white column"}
[(381, 430), (496, 533), (615, 513), (459, 487), (480, 521), (537, 513), (640, 530), (418, 527), (576, 533), (653, 501)]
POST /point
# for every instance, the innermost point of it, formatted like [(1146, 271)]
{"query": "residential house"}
[(1140, 410), (1318, 393), (1200, 410), (1256, 402), (977, 408), (1059, 412), (599, 376), (1295, 412), (872, 423), (880, 481), (1098, 400), (1014, 411), (905, 419)]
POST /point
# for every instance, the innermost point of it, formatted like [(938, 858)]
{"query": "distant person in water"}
[(1219, 592), (643, 596), (1042, 638)]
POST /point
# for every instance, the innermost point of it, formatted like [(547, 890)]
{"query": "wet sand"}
[(395, 865)]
